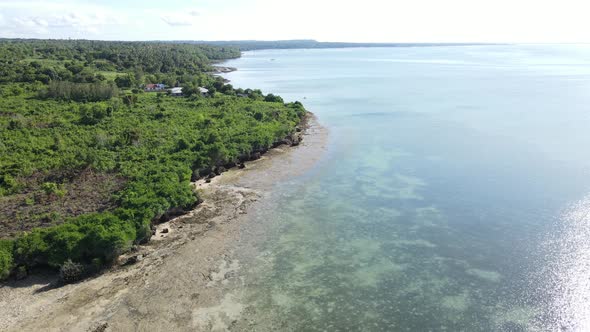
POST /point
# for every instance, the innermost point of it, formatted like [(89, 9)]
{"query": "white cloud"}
[(56, 19), (325, 20), (180, 18)]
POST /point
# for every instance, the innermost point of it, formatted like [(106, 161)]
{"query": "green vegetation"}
[(66, 130), (6, 260)]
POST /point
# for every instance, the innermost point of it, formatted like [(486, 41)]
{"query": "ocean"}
[(453, 194)]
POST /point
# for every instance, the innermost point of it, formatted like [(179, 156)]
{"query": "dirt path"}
[(183, 278)]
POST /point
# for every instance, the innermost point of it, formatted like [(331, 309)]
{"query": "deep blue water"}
[(453, 195)]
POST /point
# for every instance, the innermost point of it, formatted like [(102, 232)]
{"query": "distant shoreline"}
[(252, 45)]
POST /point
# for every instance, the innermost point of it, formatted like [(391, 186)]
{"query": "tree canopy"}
[(88, 160)]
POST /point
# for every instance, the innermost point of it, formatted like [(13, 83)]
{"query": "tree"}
[(125, 81), (272, 98)]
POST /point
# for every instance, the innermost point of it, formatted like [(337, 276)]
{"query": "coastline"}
[(181, 279), (217, 69)]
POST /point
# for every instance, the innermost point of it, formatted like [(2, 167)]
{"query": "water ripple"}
[(569, 270)]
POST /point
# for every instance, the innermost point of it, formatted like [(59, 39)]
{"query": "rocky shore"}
[(291, 140), (187, 277), (222, 70)]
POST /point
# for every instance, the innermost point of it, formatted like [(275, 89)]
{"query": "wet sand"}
[(186, 279)]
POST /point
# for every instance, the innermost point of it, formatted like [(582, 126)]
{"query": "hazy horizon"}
[(467, 43), (423, 21)]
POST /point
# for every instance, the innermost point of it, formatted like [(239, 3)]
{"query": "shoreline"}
[(180, 280), (223, 69)]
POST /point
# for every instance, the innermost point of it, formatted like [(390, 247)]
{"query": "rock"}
[(208, 181), (171, 214), (101, 327), (195, 176), (165, 230), (231, 164), (220, 170), (242, 166), (296, 139), (256, 156), (132, 260)]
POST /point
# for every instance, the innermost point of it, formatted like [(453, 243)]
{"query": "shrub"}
[(8, 184), (30, 248), (71, 272), (53, 188), (92, 115), (82, 239), (63, 243), (6, 259), (105, 236), (129, 100)]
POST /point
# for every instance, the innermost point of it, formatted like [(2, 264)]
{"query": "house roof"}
[(203, 90), (176, 90), (153, 86)]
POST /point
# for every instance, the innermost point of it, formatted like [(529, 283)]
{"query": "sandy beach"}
[(187, 278)]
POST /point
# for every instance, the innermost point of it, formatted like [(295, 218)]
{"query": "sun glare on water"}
[(570, 269)]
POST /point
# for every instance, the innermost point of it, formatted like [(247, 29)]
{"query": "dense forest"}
[(89, 161)]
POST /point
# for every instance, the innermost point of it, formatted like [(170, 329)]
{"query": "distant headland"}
[(250, 45)]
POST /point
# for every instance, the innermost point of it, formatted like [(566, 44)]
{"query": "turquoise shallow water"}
[(452, 195)]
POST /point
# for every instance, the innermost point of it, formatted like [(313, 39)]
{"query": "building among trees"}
[(155, 87)]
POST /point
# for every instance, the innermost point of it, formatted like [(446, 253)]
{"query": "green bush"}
[(51, 188), (6, 260), (82, 239), (92, 115), (105, 236), (30, 248)]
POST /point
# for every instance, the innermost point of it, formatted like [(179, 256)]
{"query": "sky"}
[(513, 21)]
